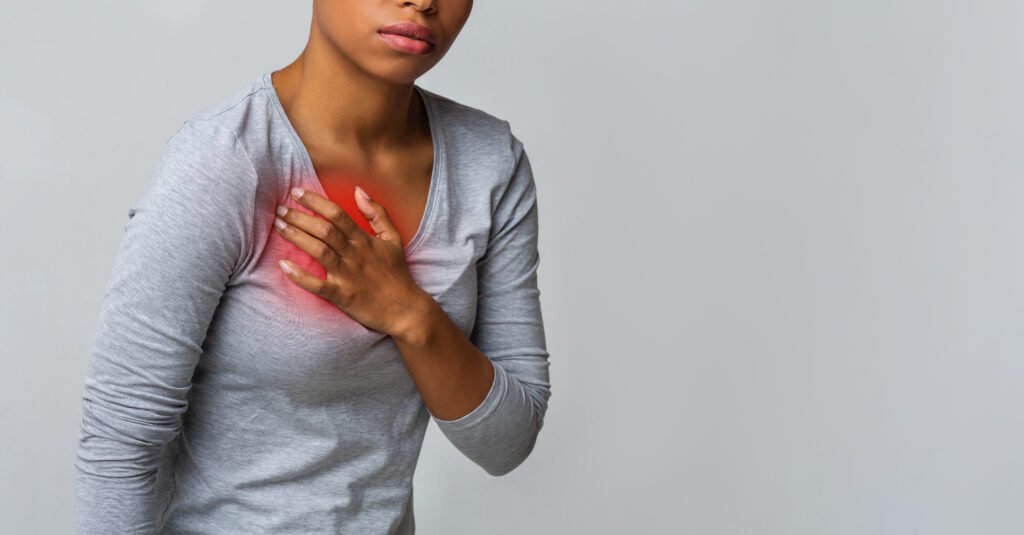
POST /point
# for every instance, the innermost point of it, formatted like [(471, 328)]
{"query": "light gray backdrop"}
[(782, 250)]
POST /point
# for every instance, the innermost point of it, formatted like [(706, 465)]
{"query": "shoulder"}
[(204, 178), (225, 126), (478, 132), (489, 154), (209, 150)]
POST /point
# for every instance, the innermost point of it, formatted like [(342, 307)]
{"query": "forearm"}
[(452, 375), (488, 390)]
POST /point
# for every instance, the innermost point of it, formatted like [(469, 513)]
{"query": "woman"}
[(321, 263)]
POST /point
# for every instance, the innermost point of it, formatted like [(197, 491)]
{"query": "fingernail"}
[(363, 193), (297, 192), (282, 211), (279, 223), (284, 266)]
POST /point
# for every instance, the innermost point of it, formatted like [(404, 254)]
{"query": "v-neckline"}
[(436, 175)]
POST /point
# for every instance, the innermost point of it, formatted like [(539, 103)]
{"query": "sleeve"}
[(183, 240), (499, 434)]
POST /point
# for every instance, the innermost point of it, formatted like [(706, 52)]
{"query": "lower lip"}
[(407, 44)]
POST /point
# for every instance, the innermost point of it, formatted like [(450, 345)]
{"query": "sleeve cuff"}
[(486, 407)]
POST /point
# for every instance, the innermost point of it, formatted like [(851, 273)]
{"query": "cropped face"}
[(392, 39)]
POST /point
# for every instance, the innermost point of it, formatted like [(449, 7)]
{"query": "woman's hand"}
[(366, 277)]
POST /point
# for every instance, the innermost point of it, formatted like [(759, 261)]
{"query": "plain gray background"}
[(782, 250)]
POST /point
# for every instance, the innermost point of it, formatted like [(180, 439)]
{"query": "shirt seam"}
[(204, 117), (245, 255), (251, 223)]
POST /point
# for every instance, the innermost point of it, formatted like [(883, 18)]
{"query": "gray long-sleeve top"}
[(222, 398)]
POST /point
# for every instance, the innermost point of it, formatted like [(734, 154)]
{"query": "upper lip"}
[(410, 29)]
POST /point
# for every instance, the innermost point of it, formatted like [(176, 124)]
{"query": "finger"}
[(327, 208), (317, 227), (303, 279), (319, 250), (378, 217)]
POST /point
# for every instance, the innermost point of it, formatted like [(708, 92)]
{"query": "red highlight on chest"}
[(341, 191), (343, 194)]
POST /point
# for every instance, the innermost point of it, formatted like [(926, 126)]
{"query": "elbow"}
[(500, 435), (500, 450), (508, 463), (517, 450)]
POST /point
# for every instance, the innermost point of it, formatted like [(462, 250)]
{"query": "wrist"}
[(416, 321)]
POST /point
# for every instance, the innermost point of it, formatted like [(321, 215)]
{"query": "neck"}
[(343, 105)]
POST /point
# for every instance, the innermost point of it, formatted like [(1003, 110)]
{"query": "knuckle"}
[(319, 250), (358, 242), (339, 290), (336, 214), (323, 228), (333, 235)]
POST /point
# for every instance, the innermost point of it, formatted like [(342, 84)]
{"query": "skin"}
[(350, 97)]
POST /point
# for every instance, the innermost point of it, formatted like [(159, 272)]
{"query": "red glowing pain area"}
[(343, 194), (341, 191)]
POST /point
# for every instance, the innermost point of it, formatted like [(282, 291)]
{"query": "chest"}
[(400, 181), (270, 333)]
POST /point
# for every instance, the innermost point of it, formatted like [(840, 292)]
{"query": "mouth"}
[(410, 30)]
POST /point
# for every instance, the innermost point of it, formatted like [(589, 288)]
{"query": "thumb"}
[(377, 216)]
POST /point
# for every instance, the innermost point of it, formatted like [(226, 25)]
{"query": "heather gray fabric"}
[(222, 398)]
